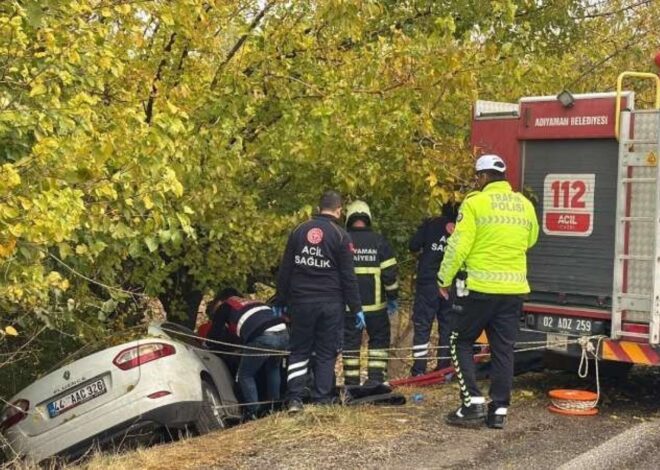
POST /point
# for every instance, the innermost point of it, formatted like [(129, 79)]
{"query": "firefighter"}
[(495, 228), (429, 244), (257, 326), (315, 283), (376, 269)]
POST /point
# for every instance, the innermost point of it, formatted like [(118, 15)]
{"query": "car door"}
[(222, 379)]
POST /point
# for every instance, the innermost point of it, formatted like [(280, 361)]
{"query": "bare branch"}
[(149, 108), (22, 347), (237, 47), (613, 12)]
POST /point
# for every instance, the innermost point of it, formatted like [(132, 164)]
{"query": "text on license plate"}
[(75, 398), (573, 325)]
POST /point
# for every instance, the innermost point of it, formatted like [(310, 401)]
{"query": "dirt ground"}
[(414, 436)]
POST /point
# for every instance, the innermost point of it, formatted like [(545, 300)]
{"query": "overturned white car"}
[(162, 381)]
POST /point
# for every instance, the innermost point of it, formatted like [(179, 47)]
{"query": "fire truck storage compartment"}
[(575, 184)]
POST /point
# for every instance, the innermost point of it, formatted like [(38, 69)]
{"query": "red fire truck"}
[(590, 164)]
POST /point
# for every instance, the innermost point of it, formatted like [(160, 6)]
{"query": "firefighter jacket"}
[(495, 228), (243, 318), (430, 242), (376, 269), (317, 266)]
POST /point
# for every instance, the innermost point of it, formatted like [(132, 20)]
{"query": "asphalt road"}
[(625, 434)]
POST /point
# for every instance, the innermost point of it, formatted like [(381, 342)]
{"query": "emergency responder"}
[(257, 327), (495, 228), (376, 269), (429, 244), (315, 283)]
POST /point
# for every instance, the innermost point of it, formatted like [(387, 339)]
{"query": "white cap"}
[(490, 162)]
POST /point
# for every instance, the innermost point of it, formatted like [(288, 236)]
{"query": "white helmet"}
[(358, 210), (490, 162)]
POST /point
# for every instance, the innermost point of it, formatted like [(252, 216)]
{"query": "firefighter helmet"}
[(358, 210)]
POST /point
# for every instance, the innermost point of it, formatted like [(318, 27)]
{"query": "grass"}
[(317, 426)]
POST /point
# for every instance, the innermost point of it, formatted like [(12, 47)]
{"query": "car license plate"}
[(77, 397), (567, 325)]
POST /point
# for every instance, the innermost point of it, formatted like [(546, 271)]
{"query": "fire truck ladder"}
[(636, 286)]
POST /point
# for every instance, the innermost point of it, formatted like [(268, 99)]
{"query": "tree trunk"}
[(181, 302)]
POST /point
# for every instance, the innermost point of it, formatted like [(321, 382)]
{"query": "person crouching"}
[(257, 326)]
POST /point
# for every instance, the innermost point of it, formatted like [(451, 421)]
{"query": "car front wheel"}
[(211, 416)]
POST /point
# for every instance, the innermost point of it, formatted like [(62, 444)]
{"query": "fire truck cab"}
[(589, 163)]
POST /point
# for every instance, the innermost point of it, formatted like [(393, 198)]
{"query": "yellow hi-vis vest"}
[(494, 230)]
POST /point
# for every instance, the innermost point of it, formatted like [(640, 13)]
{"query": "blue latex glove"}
[(278, 310), (360, 323), (392, 306)]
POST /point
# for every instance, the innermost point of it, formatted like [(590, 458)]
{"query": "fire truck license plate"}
[(568, 325)]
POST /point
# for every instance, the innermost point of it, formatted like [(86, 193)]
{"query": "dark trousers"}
[(499, 315), (427, 307), (315, 327), (250, 365), (378, 329)]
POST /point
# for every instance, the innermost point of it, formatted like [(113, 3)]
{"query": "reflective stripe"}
[(352, 373), (297, 373), (378, 302), (297, 365), (374, 308), (367, 270), (421, 346), (278, 327), (421, 353), (377, 364), (247, 315), (392, 286), (497, 276), (351, 362), (387, 263), (378, 353), (503, 220)]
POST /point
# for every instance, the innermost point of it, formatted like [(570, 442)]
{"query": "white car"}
[(163, 380)]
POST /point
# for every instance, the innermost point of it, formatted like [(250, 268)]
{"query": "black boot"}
[(295, 406), (351, 380), (496, 417), (415, 372), (468, 416)]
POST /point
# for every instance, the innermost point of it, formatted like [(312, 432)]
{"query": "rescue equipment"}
[(573, 402)]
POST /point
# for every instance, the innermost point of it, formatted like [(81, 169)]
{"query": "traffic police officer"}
[(429, 244), (495, 228), (376, 269), (316, 282)]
